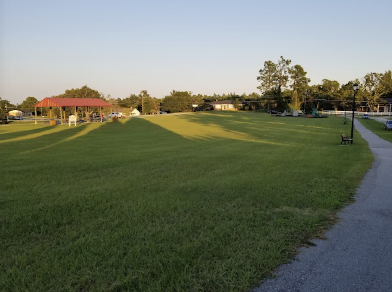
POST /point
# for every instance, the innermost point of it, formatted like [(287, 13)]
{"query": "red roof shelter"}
[(70, 102)]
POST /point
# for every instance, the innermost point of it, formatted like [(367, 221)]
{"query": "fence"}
[(349, 113)]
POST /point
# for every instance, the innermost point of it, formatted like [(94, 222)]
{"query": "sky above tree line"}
[(120, 47)]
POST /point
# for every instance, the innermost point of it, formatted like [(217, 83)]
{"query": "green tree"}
[(274, 79), (147, 105), (375, 86), (177, 101), (252, 96), (5, 106), (299, 85), (198, 99), (83, 92), (330, 89), (28, 103), (282, 72), (132, 101), (268, 77), (237, 104)]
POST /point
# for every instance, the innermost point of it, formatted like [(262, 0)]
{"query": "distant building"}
[(26, 113), (223, 105), (385, 107)]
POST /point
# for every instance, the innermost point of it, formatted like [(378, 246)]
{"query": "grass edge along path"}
[(377, 128), (198, 202)]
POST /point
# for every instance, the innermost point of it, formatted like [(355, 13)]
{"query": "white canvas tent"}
[(135, 112), (15, 113)]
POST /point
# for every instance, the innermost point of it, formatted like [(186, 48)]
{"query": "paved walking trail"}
[(357, 254)]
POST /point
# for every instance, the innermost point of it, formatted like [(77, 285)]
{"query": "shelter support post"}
[(50, 113), (76, 114), (35, 115), (88, 114), (61, 115), (100, 112)]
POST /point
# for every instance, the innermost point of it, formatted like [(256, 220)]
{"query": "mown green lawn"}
[(377, 128), (196, 202)]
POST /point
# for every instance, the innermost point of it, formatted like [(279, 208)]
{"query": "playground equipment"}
[(315, 114), (290, 112), (287, 112)]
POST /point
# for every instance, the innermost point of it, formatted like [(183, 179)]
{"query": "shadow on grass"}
[(250, 127), (151, 204), (254, 127), (15, 132), (46, 137)]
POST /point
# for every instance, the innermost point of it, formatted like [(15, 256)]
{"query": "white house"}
[(223, 105)]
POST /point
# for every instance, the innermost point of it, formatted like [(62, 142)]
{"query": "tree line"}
[(282, 86), (289, 87)]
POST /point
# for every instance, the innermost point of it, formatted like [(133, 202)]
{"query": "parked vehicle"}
[(388, 125), (274, 112), (366, 116), (118, 115), (15, 118)]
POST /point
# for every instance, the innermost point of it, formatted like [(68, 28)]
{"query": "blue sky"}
[(121, 47)]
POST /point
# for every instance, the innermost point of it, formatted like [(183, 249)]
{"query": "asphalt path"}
[(357, 252)]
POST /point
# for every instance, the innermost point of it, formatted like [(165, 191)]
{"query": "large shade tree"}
[(299, 85), (273, 80), (375, 86), (28, 103), (177, 101), (83, 92), (268, 77)]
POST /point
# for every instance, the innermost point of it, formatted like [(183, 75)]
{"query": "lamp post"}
[(345, 103), (355, 87), (142, 96)]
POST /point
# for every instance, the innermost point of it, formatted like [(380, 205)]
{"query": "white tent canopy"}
[(15, 113)]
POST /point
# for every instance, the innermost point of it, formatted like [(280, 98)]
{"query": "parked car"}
[(365, 116), (118, 115), (15, 118), (112, 115), (273, 112), (388, 125)]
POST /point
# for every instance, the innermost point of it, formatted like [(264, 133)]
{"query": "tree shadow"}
[(13, 132), (39, 139)]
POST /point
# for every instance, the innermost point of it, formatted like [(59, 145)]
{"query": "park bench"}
[(345, 139)]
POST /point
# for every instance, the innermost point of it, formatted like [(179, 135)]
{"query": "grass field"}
[(196, 202), (377, 128)]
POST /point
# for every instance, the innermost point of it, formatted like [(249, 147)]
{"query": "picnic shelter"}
[(61, 103)]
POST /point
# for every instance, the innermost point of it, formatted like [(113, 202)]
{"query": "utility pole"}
[(142, 95)]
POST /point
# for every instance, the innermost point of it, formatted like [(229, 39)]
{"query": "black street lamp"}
[(345, 103), (355, 87)]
